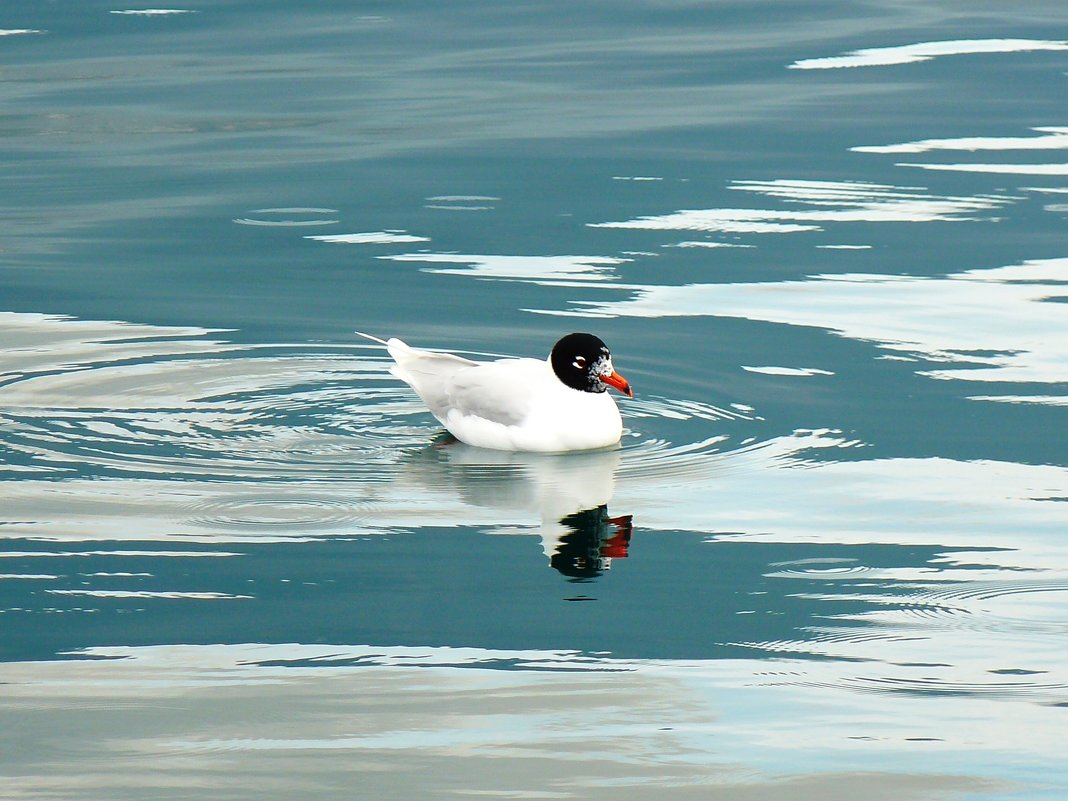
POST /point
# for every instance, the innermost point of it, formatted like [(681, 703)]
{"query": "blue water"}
[(825, 244)]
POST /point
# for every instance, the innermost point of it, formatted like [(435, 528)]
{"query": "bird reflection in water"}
[(591, 542), (569, 492)]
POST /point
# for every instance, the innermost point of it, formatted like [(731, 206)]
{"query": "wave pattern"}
[(935, 620), (122, 434), (273, 440)]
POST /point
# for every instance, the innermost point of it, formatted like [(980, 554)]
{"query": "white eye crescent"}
[(580, 362)]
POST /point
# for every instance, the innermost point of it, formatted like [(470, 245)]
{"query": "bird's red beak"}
[(617, 381)]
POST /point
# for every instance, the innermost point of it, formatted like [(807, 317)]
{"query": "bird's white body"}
[(508, 404)]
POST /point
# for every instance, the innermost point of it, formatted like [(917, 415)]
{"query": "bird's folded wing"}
[(453, 386), (498, 392)]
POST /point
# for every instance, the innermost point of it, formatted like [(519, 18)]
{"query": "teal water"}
[(825, 244)]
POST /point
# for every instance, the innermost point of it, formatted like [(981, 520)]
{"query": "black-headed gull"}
[(516, 404)]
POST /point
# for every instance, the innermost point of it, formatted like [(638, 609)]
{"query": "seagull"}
[(519, 404)]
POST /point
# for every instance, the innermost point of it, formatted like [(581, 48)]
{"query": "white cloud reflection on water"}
[(703, 244), (370, 238), (1052, 138), (153, 12), (254, 719), (925, 51), (824, 202), (996, 324), (995, 169), (536, 268)]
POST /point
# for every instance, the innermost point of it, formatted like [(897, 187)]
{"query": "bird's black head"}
[(583, 362)]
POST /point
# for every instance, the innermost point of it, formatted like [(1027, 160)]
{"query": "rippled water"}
[(825, 244)]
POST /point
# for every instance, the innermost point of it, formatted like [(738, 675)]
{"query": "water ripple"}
[(927, 686), (140, 401), (263, 412), (290, 217), (285, 512), (205, 437)]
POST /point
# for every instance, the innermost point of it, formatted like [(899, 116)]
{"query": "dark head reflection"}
[(591, 540)]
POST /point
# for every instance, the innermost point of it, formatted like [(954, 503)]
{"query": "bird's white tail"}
[(370, 337)]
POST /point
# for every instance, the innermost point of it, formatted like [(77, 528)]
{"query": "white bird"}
[(518, 404)]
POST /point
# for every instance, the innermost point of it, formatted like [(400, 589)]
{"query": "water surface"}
[(825, 245)]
